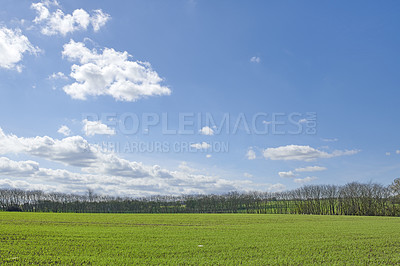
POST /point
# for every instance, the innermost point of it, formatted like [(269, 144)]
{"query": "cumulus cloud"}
[(305, 180), (302, 153), (99, 19), (206, 131), (110, 73), (201, 146), (251, 155), (74, 151), (255, 59), (310, 169), (92, 128), (56, 22), (64, 130), (17, 169), (13, 44), (288, 174)]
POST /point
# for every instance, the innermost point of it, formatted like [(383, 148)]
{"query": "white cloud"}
[(291, 174), (310, 169), (302, 121), (387, 153), (64, 130), (397, 151), (248, 175), (266, 122), (74, 151), (17, 169), (110, 73), (255, 59), (24, 185), (57, 22), (99, 19), (201, 146), (305, 180), (288, 174), (302, 153), (207, 131), (251, 155), (92, 128), (208, 156), (58, 75), (13, 44)]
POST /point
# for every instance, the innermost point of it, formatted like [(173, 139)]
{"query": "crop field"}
[(196, 239)]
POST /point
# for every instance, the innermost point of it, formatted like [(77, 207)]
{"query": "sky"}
[(141, 98)]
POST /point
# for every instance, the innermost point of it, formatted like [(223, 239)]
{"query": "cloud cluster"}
[(13, 44), (53, 23), (103, 171), (110, 73), (292, 174), (153, 182), (74, 151), (17, 169), (302, 153), (58, 75)]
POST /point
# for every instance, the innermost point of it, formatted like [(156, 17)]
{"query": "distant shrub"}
[(14, 208)]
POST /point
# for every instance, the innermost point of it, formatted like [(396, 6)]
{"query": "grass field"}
[(48, 238)]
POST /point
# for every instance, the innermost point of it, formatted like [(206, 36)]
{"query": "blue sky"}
[(327, 70)]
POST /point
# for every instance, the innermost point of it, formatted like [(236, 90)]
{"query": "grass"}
[(226, 239)]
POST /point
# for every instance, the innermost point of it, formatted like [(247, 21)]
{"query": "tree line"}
[(350, 199)]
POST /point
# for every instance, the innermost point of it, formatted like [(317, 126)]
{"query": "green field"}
[(50, 238)]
